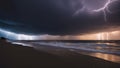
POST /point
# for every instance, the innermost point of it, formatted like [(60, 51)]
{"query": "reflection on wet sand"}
[(108, 57), (106, 51)]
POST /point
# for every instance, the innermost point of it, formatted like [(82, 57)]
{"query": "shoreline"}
[(65, 52), (17, 56)]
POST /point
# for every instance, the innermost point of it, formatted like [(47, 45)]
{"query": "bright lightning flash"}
[(103, 36), (16, 36), (104, 8)]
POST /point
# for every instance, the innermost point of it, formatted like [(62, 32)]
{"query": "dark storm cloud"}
[(52, 17), (7, 5)]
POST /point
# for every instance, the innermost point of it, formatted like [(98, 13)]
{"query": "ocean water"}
[(106, 51)]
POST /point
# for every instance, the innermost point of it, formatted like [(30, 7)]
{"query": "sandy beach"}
[(14, 56)]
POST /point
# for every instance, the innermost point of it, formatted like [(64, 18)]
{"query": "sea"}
[(109, 51)]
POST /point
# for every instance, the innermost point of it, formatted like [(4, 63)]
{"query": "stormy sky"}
[(58, 17)]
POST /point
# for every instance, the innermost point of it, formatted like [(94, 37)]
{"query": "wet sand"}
[(68, 52), (14, 56)]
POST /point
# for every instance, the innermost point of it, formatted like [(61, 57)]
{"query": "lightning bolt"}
[(104, 9)]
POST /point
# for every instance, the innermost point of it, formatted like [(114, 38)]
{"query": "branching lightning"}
[(104, 8)]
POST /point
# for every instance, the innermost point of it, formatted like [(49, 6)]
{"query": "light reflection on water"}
[(106, 51), (108, 57), (113, 44)]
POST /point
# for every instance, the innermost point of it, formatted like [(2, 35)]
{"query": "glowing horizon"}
[(113, 35)]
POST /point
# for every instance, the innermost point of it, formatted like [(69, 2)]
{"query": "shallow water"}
[(112, 48), (106, 51)]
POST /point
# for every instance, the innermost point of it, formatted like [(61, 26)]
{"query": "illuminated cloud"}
[(113, 35), (12, 35), (56, 17)]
